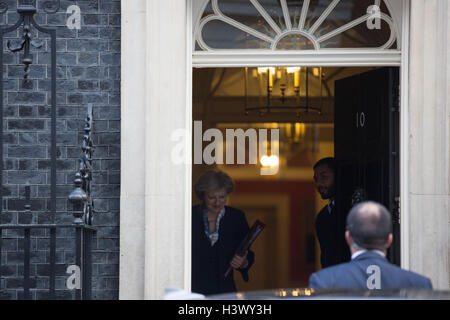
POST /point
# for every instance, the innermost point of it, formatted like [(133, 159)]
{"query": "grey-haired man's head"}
[(369, 225)]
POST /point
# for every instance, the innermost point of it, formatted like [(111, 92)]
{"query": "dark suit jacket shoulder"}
[(367, 271)]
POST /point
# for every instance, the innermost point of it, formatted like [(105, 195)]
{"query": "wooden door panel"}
[(345, 120), (366, 142), (375, 107)]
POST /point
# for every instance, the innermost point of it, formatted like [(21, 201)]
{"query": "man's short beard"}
[(324, 196), (329, 194)]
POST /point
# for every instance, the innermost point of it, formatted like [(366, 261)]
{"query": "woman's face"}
[(215, 200)]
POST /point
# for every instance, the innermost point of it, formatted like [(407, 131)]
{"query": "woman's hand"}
[(239, 262)]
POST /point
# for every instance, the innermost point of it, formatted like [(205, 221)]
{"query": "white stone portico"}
[(156, 93), (427, 237), (155, 230)]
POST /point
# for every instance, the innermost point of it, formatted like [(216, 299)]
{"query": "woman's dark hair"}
[(369, 224), (213, 180)]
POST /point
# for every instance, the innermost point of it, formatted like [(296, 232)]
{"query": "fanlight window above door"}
[(295, 25)]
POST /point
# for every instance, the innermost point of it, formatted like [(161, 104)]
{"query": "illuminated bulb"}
[(264, 70), (297, 129), (296, 73), (271, 161), (288, 130), (271, 80), (265, 161), (292, 69), (316, 72)]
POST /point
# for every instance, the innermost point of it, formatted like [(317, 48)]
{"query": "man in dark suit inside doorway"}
[(331, 239), (369, 235)]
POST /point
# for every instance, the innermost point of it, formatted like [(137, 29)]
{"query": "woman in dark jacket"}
[(217, 231)]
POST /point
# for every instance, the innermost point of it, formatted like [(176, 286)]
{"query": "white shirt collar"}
[(359, 252), (330, 204)]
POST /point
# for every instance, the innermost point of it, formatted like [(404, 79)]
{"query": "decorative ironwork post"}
[(83, 209), (81, 199)]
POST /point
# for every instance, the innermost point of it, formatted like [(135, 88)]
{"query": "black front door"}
[(367, 145)]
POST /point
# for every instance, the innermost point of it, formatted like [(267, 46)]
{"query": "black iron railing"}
[(75, 277), (41, 270), (78, 275)]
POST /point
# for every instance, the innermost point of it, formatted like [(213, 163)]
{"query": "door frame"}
[(339, 57)]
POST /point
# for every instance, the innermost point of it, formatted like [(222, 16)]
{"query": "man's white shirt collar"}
[(330, 205), (359, 252)]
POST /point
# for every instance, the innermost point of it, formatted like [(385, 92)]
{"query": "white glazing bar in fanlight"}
[(266, 16), (287, 17), (355, 22), (220, 16), (323, 16), (393, 35), (301, 23), (198, 36), (343, 28), (296, 32)]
